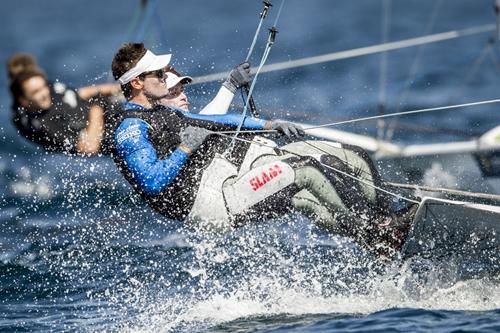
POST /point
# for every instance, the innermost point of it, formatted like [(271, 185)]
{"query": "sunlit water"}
[(79, 252)]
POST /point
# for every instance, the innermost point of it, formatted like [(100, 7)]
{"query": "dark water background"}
[(79, 253)]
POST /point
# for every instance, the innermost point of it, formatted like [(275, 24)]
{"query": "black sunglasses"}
[(159, 74)]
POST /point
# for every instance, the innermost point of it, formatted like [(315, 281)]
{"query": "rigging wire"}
[(138, 13), (362, 51), (160, 29), (399, 125), (487, 51), (387, 115), (149, 10), (383, 69), (358, 179), (131, 28), (449, 191), (497, 13), (263, 15), (275, 24), (414, 68), (270, 42), (246, 89), (370, 184), (386, 21), (416, 60)]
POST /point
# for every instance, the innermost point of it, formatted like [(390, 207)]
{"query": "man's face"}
[(176, 97), (155, 86), (36, 94)]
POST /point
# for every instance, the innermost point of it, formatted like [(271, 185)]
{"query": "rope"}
[(399, 196), (279, 13), (445, 190), (160, 29), (245, 89), (359, 179), (413, 69), (247, 102), (387, 115), (441, 108), (405, 126), (416, 61), (151, 7), (439, 37), (257, 32), (386, 20), (250, 51), (270, 43), (391, 184)]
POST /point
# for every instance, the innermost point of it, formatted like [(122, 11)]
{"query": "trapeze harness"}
[(58, 128), (257, 181)]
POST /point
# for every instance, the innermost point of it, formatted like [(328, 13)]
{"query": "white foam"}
[(301, 284)]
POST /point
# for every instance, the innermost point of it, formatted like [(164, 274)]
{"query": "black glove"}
[(193, 137), (287, 128), (238, 77)]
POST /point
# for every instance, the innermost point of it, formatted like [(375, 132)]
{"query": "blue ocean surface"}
[(80, 252)]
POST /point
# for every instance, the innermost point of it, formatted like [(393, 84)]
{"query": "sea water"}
[(80, 252)]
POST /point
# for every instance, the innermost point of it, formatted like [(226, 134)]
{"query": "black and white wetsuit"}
[(146, 153), (270, 183), (58, 128)]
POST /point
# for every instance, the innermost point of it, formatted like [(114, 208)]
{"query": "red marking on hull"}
[(265, 177)]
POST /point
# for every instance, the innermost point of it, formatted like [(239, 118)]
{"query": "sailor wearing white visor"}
[(175, 94), (238, 77), (176, 162), (148, 63), (143, 81)]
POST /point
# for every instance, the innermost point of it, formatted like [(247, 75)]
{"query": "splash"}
[(292, 270)]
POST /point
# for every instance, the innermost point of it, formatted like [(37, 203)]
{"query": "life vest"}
[(58, 128), (165, 124)]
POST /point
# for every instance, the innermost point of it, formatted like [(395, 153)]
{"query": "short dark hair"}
[(16, 85), (127, 56)]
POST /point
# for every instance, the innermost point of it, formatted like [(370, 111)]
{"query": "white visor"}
[(149, 62), (173, 79)]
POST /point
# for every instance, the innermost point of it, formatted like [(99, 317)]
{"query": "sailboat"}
[(440, 225)]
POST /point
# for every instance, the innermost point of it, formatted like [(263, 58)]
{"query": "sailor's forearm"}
[(90, 139), (227, 121), (154, 175), (104, 89), (221, 102), (185, 149)]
